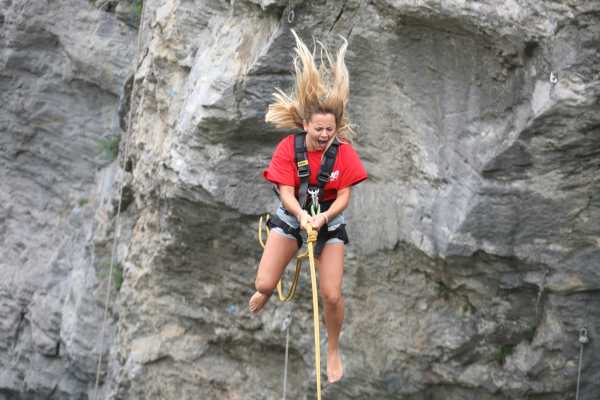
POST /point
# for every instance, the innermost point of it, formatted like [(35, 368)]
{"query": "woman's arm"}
[(287, 194), (339, 204), (289, 201)]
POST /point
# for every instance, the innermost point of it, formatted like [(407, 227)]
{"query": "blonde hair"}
[(322, 90)]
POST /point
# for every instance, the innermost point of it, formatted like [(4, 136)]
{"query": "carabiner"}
[(315, 207)]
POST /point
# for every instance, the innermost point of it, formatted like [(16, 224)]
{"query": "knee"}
[(332, 297), (264, 286)]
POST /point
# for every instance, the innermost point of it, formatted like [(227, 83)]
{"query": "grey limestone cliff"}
[(62, 70), (475, 243)]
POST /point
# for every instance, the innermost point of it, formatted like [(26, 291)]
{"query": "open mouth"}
[(323, 143)]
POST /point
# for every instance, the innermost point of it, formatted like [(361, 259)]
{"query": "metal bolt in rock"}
[(291, 13)]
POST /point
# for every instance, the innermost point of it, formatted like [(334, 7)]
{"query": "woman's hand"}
[(318, 221), (304, 218)]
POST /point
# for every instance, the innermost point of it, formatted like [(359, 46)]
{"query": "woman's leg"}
[(331, 270), (278, 252)]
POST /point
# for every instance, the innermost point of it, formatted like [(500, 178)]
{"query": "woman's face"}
[(320, 129)]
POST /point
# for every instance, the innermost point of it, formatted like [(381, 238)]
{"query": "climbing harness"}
[(303, 167), (117, 231), (583, 340), (316, 204), (299, 258), (310, 242)]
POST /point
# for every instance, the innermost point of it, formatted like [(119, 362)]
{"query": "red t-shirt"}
[(347, 169)]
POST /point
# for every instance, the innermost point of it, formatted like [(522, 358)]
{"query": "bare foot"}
[(257, 302), (335, 371)]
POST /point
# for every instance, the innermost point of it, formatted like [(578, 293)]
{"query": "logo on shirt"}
[(334, 176)]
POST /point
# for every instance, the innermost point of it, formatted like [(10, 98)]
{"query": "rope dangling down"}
[(117, 230), (583, 340), (286, 325), (310, 243)]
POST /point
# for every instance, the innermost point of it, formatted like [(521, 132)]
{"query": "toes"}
[(257, 301), (335, 370)]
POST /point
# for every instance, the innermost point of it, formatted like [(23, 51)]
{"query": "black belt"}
[(323, 236)]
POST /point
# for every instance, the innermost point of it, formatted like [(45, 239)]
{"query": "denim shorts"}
[(293, 223)]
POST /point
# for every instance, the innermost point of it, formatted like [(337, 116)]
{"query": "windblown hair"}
[(318, 90)]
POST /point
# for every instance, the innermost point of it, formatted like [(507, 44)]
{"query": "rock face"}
[(474, 244), (62, 69)]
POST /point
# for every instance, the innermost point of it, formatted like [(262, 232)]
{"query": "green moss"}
[(466, 309), (443, 291), (136, 13), (117, 274), (503, 352), (139, 6), (109, 146), (83, 201)]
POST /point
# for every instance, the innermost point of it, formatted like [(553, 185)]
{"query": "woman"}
[(318, 106)]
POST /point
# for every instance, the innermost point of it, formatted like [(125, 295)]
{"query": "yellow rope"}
[(311, 239)]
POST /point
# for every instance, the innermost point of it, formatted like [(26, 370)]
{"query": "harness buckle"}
[(323, 177), (303, 170)]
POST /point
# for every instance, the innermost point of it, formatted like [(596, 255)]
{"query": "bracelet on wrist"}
[(326, 218)]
